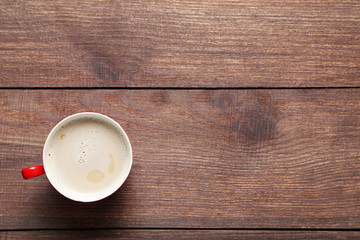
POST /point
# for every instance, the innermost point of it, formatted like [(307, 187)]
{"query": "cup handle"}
[(34, 171)]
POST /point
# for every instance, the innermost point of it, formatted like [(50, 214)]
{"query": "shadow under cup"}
[(87, 157)]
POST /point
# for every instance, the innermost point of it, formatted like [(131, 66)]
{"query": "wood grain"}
[(178, 234), (202, 159), (192, 43)]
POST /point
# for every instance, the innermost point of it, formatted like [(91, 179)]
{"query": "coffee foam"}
[(86, 157)]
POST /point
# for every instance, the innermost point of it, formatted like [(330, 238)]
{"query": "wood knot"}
[(224, 101), (247, 114), (159, 98), (255, 124), (104, 68)]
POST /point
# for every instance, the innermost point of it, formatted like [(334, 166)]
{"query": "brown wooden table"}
[(244, 116)]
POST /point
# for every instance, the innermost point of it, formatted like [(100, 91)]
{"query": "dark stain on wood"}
[(159, 98), (252, 117), (104, 67), (255, 124), (224, 101)]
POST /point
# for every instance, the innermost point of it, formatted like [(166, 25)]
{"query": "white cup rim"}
[(121, 179)]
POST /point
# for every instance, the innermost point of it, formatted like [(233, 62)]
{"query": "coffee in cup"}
[(86, 157)]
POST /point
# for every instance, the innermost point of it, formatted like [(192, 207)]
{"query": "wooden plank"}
[(202, 159), (178, 234), (192, 43)]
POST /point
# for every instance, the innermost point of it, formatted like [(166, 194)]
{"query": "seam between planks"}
[(171, 88), (192, 229)]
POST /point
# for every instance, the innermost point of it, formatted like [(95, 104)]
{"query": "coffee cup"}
[(86, 157)]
